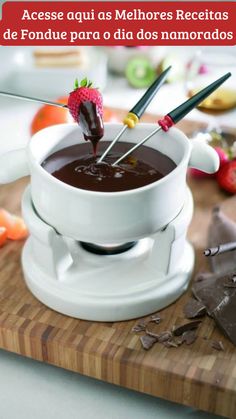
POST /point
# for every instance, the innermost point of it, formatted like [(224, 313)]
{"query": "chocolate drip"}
[(91, 123)]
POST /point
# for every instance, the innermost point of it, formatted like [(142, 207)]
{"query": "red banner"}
[(118, 23)]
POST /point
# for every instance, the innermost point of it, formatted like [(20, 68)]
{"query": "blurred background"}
[(122, 74)]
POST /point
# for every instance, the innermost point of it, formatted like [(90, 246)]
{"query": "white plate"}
[(20, 75)]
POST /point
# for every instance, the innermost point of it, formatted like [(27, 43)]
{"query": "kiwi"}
[(140, 72)]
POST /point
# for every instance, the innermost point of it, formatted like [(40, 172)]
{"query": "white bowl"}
[(107, 217)]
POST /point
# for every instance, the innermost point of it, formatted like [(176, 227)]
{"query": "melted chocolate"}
[(76, 166), (91, 123)]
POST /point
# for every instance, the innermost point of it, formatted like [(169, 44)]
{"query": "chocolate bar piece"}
[(222, 230), (219, 298), (178, 331), (194, 308), (212, 291), (147, 341), (225, 316)]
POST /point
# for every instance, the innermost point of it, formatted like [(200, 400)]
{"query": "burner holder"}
[(109, 249), (78, 280)]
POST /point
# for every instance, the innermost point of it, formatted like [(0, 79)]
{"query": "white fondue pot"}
[(107, 217)]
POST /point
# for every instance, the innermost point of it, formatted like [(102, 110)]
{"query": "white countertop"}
[(29, 389)]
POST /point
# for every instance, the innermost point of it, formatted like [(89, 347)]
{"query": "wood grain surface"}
[(196, 375)]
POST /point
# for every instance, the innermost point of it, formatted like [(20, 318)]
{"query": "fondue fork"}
[(178, 113), (33, 99), (221, 248), (133, 116)]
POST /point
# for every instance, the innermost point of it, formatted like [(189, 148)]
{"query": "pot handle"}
[(203, 157), (13, 165)]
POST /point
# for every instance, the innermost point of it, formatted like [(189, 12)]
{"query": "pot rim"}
[(86, 192)]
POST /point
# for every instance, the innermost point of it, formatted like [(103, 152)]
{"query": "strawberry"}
[(84, 92), (226, 176)]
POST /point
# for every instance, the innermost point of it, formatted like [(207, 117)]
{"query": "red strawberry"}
[(84, 93), (226, 176)]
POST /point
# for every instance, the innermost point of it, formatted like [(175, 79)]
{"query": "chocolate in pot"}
[(78, 167)]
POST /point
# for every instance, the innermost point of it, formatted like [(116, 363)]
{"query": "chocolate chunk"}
[(155, 318), (147, 341), (230, 281), (193, 309), (222, 230), (140, 327), (218, 345), (170, 344), (164, 336), (178, 331), (178, 341), (189, 337), (155, 335), (218, 294), (224, 315), (233, 285), (212, 291), (201, 276)]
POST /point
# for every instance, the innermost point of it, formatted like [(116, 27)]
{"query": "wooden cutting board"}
[(195, 375)]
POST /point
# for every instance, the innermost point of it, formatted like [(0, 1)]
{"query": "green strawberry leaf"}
[(230, 154), (84, 82), (76, 84)]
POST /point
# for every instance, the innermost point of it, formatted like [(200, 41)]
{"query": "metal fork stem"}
[(137, 146), (33, 99)]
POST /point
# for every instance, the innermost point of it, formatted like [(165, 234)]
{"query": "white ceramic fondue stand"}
[(63, 273)]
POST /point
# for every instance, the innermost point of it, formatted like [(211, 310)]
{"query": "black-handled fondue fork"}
[(178, 113), (133, 116)]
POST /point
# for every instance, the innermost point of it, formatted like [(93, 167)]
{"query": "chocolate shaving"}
[(155, 318), (177, 331), (201, 276), (189, 337), (165, 336), (193, 309), (218, 345), (147, 341), (140, 327), (170, 344), (154, 335), (179, 341)]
